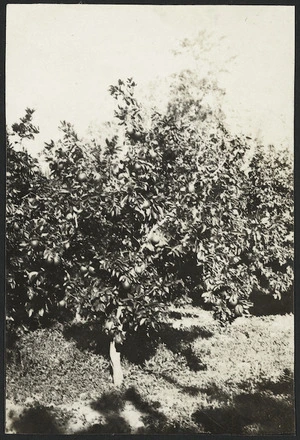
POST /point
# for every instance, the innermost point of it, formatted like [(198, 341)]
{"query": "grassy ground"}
[(195, 378)]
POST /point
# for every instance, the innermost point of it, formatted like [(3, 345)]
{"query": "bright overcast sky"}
[(61, 60)]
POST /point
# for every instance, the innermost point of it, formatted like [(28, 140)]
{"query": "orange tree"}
[(169, 211), (36, 238), (270, 228)]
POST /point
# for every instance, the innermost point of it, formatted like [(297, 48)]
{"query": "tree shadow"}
[(286, 385), (180, 341), (193, 362), (140, 348), (249, 414), (88, 336), (211, 390), (191, 390), (36, 420), (114, 424), (257, 413), (110, 405), (108, 402), (153, 419)]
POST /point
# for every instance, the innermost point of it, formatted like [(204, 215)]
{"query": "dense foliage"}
[(171, 210)]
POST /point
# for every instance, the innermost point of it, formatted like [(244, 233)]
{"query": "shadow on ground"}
[(262, 412), (191, 390), (180, 341), (111, 406), (267, 411), (36, 420), (176, 340), (140, 347), (88, 336)]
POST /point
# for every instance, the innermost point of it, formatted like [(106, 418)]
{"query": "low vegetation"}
[(195, 377)]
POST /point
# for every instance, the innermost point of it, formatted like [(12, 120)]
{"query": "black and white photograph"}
[(149, 219)]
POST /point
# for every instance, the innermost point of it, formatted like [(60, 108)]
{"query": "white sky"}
[(61, 60)]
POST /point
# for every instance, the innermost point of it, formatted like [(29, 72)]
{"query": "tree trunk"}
[(115, 362), (115, 357)]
